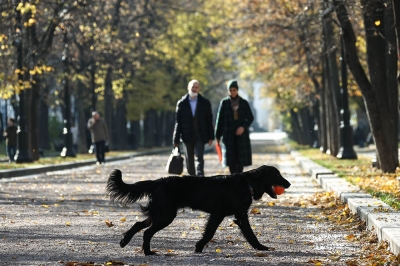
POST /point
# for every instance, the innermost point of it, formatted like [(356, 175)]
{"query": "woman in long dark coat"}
[(233, 121)]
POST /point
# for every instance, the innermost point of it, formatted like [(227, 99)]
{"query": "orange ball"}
[(279, 190)]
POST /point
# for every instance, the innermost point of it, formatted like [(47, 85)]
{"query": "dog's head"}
[(263, 180)]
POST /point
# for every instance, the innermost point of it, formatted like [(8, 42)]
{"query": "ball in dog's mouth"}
[(279, 190)]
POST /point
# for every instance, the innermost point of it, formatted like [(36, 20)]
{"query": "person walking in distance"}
[(99, 132), (11, 139), (193, 124), (234, 118)]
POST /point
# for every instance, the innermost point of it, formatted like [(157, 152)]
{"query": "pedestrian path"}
[(65, 216)]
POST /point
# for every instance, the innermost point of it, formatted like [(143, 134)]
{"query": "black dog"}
[(219, 196)]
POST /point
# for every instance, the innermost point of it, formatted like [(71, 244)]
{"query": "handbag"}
[(91, 149), (218, 150), (175, 162)]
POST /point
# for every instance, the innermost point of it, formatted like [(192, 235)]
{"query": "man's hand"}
[(210, 142), (239, 131), (176, 145)]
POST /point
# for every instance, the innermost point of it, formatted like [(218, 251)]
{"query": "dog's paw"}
[(198, 250), (262, 247), (122, 243), (149, 253), (199, 247)]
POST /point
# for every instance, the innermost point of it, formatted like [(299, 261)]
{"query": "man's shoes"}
[(98, 163)]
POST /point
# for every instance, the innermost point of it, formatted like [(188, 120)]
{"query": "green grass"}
[(58, 159)]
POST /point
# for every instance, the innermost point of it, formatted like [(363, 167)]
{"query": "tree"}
[(380, 90)]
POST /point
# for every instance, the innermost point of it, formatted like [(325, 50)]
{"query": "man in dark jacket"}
[(193, 124)]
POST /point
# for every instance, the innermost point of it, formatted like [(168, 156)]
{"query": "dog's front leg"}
[(127, 236), (211, 227), (242, 220)]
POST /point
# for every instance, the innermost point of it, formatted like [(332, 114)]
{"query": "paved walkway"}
[(61, 217)]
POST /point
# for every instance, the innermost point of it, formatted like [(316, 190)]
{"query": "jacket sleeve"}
[(219, 124), (178, 125), (249, 118), (90, 123)]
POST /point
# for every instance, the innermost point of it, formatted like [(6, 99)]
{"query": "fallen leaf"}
[(68, 223), (334, 257), (350, 237), (218, 250), (109, 224), (259, 254), (255, 211), (114, 262), (123, 219)]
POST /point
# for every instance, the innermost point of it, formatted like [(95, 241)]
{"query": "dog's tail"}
[(124, 193)]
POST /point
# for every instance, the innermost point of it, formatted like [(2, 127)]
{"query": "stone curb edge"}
[(9, 173), (379, 216)]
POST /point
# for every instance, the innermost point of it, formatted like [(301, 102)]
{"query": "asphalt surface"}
[(65, 216)]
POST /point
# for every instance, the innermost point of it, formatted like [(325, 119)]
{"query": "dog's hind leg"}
[(127, 236), (156, 225), (242, 220), (211, 227)]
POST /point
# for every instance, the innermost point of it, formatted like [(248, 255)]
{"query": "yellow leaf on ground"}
[(334, 257), (114, 263), (350, 237), (68, 223), (259, 254), (123, 219), (255, 211), (109, 224), (218, 250)]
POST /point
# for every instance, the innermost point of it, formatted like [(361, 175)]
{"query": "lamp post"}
[(22, 155), (68, 150), (346, 150)]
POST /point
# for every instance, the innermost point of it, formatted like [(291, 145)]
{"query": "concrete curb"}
[(9, 173), (379, 216)]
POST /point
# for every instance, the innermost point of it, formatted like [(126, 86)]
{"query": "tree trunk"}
[(296, 129), (380, 94), (34, 121), (333, 88), (397, 16), (135, 139), (322, 127), (82, 119), (149, 128), (44, 139), (109, 108), (92, 70), (120, 131)]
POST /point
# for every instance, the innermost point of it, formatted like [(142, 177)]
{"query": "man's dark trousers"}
[(192, 148), (100, 150)]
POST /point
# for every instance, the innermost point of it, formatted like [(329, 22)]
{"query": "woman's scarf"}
[(235, 107)]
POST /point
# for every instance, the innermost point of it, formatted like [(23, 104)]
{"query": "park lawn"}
[(360, 173), (59, 160)]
